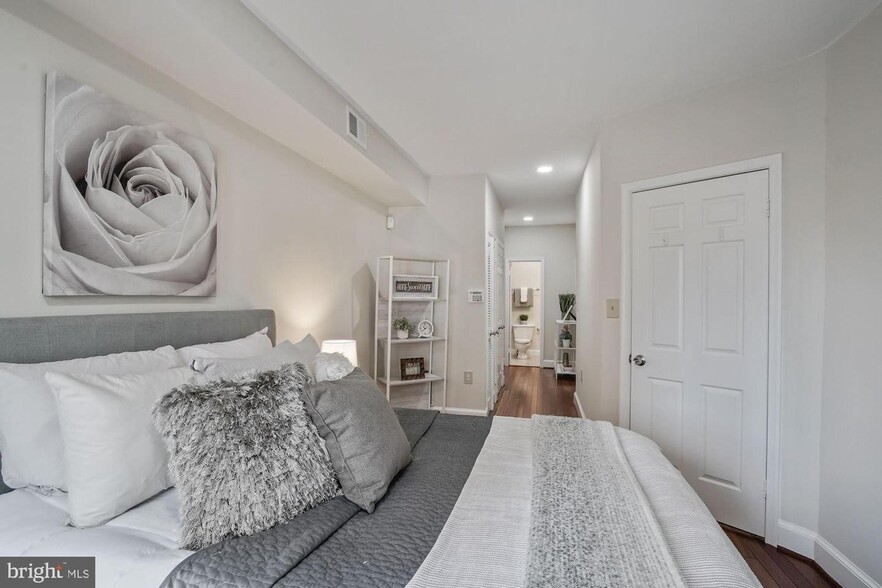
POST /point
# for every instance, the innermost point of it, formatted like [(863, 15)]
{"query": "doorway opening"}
[(526, 310)]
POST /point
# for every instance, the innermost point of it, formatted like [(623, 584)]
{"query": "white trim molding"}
[(548, 364), (797, 539), (810, 544), (840, 568), (578, 405), (463, 411), (774, 165)]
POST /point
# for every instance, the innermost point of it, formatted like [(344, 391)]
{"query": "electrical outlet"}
[(612, 308), (468, 377), (390, 222)]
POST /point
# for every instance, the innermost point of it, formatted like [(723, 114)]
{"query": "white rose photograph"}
[(129, 203)]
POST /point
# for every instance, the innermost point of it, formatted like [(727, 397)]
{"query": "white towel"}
[(525, 293)]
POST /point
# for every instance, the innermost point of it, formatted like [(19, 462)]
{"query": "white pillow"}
[(30, 441), (114, 456), (331, 366), (254, 344), (285, 352)]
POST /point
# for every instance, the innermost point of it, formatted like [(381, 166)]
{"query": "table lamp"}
[(344, 346)]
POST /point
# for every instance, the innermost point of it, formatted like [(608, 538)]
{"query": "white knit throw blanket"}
[(591, 524)]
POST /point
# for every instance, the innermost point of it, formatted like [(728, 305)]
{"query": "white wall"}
[(493, 213), (781, 111), (291, 236), (452, 225), (557, 245), (597, 403), (851, 425)]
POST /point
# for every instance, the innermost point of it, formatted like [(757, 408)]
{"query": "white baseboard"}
[(548, 363), (842, 569), (578, 405), (465, 411), (797, 539), (809, 544)]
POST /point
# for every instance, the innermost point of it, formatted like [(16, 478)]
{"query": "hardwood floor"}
[(775, 567), (530, 391)]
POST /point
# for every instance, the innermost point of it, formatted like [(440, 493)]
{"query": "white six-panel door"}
[(700, 307)]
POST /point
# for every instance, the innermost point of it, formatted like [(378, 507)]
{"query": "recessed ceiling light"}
[(544, 169), (528, 218)]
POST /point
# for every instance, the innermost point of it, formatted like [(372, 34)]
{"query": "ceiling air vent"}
[(356, 128)]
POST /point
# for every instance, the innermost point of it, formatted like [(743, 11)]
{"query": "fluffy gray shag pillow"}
[(244, 453)]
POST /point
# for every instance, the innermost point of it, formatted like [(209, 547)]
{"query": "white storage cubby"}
[(565, 357), (431, 390)]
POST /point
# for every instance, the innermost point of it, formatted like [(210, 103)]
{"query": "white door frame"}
[(772, 163), (541, 322)]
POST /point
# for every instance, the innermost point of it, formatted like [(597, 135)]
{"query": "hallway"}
[(530, 390)]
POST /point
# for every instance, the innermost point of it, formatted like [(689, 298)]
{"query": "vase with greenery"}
[(524, 318), (567, 301), (402, 327)]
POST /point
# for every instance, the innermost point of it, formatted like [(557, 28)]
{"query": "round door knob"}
[(639, 360)]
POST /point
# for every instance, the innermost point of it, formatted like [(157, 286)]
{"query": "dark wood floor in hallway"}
[(530, 391)]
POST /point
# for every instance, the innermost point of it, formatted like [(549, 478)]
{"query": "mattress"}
[(136, 549)]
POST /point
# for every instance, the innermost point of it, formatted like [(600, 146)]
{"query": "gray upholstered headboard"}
[(55, 338)]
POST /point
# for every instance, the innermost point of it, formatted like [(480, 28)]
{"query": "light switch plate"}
[(390, 222), (468, 377), (612, 308)]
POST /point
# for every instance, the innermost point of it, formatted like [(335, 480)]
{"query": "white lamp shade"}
[(344, 346)]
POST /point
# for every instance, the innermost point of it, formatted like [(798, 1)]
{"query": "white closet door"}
[(700, 322), (500, 310)]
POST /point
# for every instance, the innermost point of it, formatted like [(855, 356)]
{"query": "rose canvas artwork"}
[(129, 203)]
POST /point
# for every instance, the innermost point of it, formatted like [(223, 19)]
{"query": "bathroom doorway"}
[(525, 279)]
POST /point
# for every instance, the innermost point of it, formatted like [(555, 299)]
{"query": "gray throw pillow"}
[(285, 352), (366, 443), (244, 453)]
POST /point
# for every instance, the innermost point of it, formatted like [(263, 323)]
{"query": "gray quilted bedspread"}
[(336, 543)]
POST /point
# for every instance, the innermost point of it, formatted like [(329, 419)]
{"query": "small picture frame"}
[(413, 368)]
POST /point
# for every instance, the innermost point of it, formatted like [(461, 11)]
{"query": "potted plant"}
[(566, 338), (567, 301), (524, 318), (402, 327)]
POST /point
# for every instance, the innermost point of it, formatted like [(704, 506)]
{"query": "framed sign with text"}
[(413, 368), (415, 287)]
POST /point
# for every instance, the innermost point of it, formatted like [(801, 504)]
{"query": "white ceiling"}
[(501, 86)]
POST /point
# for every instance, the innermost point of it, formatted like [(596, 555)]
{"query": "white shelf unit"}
[(563, 353), (431, 390)]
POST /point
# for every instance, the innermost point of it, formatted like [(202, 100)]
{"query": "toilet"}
[(523, 337)]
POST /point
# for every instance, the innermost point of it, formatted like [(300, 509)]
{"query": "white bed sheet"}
[(138, 548)]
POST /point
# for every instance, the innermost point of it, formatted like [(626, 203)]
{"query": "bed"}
[(459, 515)]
